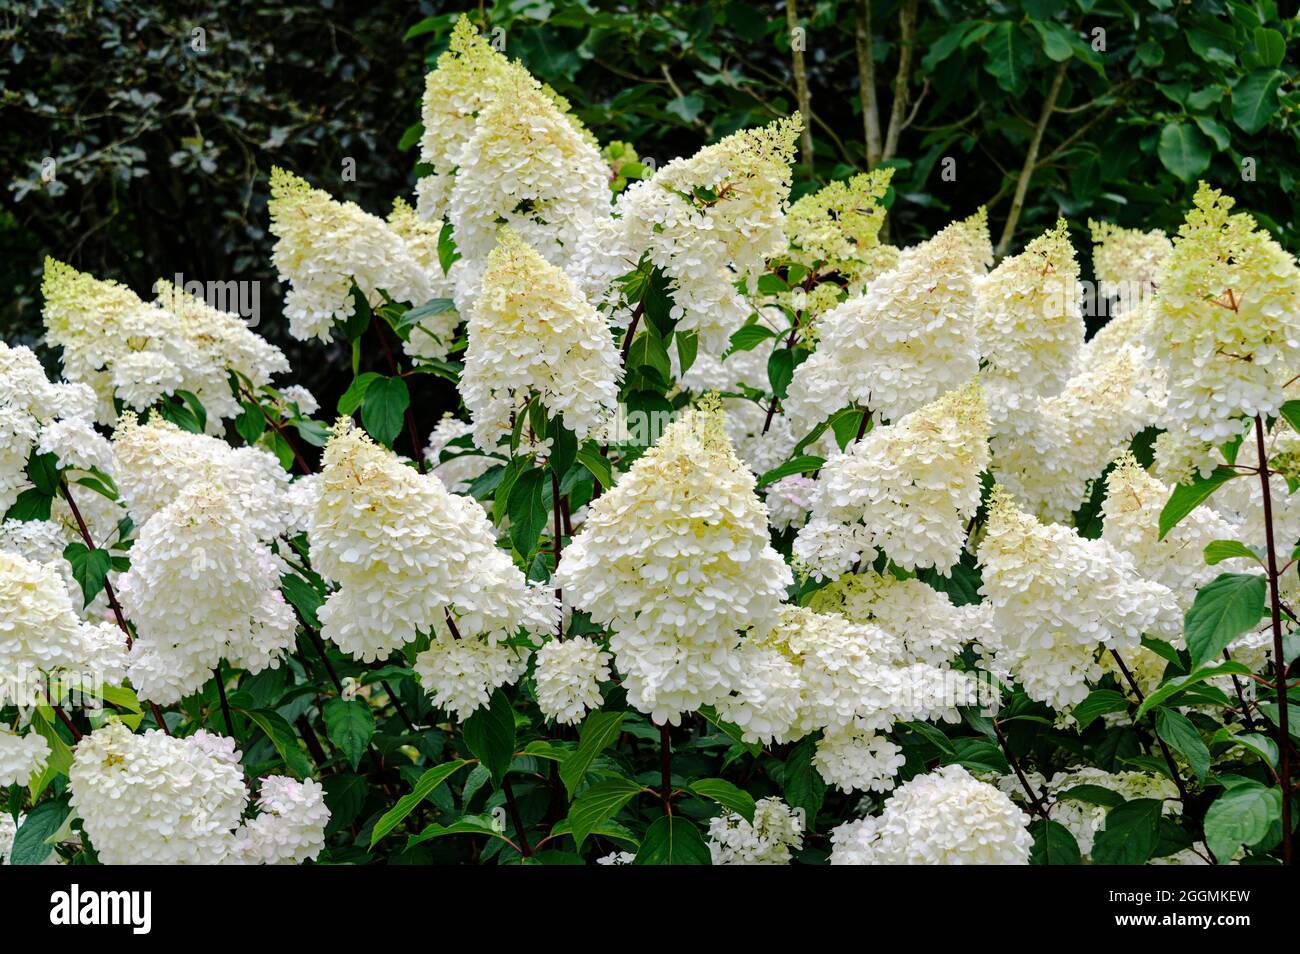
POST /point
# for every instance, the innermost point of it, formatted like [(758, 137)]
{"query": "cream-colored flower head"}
[(324, 246), (1127, 262), (898, 347), (676, 559), (837, 229), (1225, 324), (1031, 325), (531, 333), (906, 489)]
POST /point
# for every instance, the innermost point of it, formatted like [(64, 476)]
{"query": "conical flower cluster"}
[(1058, 600), (902, 344), (568, 674), (409, 556), (906, 489), (837, 229), (199, 560), (946, 817), (1127, 262), (767, 840), (531, 333), (1225, 320), (676, 559), (323, 247), (1030, 324)]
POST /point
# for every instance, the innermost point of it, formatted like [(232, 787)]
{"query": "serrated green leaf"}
[(421, 790)]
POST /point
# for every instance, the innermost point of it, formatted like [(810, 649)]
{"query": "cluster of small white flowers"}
[(906, 489), (569, 673), (1126, 260), (157, 460), (855, 758), (21, 756), (323, 247), (617, 858), (909, 338), (676, 559), (769, 839), (1030, 325), (1224, 326), (946, 817), (708, 221), (1062, 442), (138, 352), (408, 557), (52, 418), (199, 560), (789, 500), (155, 799), (290, 826), (532, 333), (1057, 600)]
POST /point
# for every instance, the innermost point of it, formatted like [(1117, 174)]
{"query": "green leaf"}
[(32, 504), (1220, 550), (383, 409), (1093, 795), (1242, 815), (1223, 609), (803, 785), (780, 370), (421, 790), (727, 795), (1098, 703), (590, 457), (1131, 833), (748, 337), (1184, 150), (350, 725), (1254, 99), (673, 840), (1261, 745), (528, 506), (598, 730), (688, 345), (469, 825), (1179, 684), (196, 408), (1176, 729), (356, 392), (1053, 845), (803, 464), (1056, 40), (490, 736), (31, 846), (1271, 46), (1009, 56), (283, 738), (769, 283), (303, 596), (599, 803), (447, 254), (43, 470), (89, 568), (250, 424), (1187, 497)]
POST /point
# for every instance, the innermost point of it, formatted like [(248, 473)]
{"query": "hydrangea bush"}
[(754, 539)]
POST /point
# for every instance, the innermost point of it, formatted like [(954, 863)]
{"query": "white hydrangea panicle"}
[(836, 230), (568, 673), (905, 341), (1030, 324), (1131, 523), (946, 817), (1063, 442), (1225, 328), (710, 220), (289, 827), (154, 799), (198, 560), (532, 333), (676, 559), (460, 673), (775, 832), (155, 461), (856, 759), (405, 553), (435, 333), (39, 630), (1127, 262), (222, 342), (790, 500), (462, 466), (21, 756), (1058, 600), (323, 247), (906, 489)]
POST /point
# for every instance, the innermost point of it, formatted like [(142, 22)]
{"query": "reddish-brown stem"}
[(1169, 756), (1279, 656), (1037, 803), (558, 545), (279, 429), (631, 331), (515, 817), (66, 720)]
